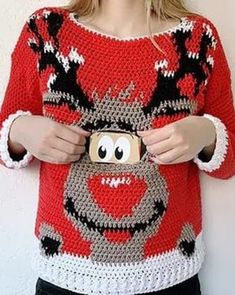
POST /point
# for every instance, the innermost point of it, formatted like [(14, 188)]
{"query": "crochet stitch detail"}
[(221, 146), (112, 228), (4, 151)]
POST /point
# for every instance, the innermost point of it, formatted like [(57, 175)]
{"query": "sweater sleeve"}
[(22, 97), (219, 108)]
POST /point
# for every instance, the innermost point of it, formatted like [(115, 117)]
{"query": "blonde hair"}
[(163, 9)]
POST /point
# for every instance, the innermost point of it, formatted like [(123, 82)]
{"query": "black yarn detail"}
[(166, 87), (50, 246), (65, 81), (54, 24), (187, 248), (159, 208)]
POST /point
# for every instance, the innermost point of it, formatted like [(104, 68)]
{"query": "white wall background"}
[(18, 189)]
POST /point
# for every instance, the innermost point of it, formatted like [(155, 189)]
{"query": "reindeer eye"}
[(105, 148), (122, 149)]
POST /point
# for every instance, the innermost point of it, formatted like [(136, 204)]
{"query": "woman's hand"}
[(180, 141), (48, 140)]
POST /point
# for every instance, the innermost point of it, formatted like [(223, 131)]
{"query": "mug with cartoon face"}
[(112, 146)]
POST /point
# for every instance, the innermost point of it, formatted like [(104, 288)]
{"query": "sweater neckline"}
[(75, 18)]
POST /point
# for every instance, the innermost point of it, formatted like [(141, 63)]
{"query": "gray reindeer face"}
[(115, 206)]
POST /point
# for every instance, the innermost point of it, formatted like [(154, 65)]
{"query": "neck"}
[(122, 17)]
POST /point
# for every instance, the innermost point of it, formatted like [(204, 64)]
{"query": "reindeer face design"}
[(115, 206)]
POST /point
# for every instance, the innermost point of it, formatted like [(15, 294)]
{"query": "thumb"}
[(79, 130)]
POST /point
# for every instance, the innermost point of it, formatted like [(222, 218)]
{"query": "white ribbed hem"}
[(81, 275), (221, 147), (4, 152)]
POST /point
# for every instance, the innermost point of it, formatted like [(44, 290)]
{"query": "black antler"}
[(166, 96), (64, 79)]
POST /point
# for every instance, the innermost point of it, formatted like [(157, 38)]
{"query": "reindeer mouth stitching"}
[(115, 181), (159, 209)]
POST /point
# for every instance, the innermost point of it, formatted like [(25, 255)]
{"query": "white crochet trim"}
[(221, 147), (79, 274), (4, 152)]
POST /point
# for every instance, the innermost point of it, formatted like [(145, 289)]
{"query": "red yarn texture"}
[(74, 75)]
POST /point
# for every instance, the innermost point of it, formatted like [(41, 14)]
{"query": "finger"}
[(67, 147), (156, 135), (170, 156), (70, 135), (47, 159), (50, 159), (79, 130), (145, 132), (60, 157), (161, 147), (180, 159)]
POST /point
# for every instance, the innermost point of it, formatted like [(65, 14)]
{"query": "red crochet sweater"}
[(106, 228)]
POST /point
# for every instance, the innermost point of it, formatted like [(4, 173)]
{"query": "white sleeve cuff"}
[(4, 136), (221, 147)]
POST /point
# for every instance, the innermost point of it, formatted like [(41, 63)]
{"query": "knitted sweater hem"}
[(83, 275)]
